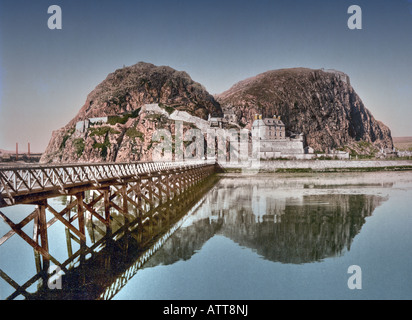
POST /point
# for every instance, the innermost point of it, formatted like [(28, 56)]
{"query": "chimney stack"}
[(28, 149), (17, 151)]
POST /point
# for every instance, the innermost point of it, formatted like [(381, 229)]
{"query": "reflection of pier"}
[(135, 199)]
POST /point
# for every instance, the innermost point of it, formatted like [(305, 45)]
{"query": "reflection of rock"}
[(321, 227), (185, 242), (281, 222)]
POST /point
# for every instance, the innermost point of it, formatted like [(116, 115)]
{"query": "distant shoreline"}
[(312, 166), (283, 166)]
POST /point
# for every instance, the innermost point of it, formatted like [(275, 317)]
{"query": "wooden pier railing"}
[(135, 191)]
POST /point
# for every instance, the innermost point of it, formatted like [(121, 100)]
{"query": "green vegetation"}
[(122, 119), (103, 146), (134, 133), (361, 150), (168, 109), (161, 118), (79, 146), (66, 137), (102, 131)]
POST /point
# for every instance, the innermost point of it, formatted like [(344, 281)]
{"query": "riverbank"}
[(285, 166)]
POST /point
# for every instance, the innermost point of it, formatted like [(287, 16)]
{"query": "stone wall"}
[(286, 146), (320, 164)]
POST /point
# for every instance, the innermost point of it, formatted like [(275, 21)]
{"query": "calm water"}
[(269, 237)]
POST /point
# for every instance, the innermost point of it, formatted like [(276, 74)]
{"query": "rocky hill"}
[(127, 133), (319, 103)]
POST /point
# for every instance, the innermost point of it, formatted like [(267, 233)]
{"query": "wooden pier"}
[(138, 192)]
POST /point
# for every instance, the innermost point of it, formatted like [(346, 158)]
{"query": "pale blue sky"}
[(46, 74)]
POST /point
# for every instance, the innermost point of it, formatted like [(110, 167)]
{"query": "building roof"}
[(258, 123), (268, 122), (273, 122)]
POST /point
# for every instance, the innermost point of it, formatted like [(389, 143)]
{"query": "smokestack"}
[(28, 149), (17, 150)]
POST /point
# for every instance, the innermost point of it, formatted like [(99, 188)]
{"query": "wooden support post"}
[(106, 194), (33, 243), (80, 212), (43, 225), (80, 218), (81, 221), (140, 210), (124, 203), (69, 243), (40, 237), (126, 218), (151, 193)]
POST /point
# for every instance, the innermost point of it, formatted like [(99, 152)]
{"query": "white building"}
[(229, 116), (216, 122), (81, 126), (269, 139), (268, 128)]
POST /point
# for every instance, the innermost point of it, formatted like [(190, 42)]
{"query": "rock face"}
[(127, 133), (131, 87), (321, 104)]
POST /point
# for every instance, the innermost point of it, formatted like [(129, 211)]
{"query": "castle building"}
[(216, 122), (268, 128), (269, 139), (230, 116)]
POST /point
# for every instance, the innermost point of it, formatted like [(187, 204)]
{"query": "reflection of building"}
[(266, 208), (288, 221)]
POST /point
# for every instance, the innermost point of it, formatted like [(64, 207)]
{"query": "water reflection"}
[(99, 267), (287, 221)]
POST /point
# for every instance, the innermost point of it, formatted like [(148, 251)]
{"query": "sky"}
[(46, 74)]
